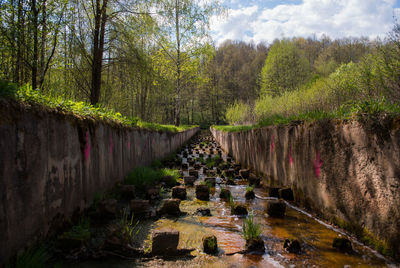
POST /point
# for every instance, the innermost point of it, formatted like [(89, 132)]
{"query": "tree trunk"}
[(43, 45), (178, 67), (20, 31), (100, 20), (35, 30)]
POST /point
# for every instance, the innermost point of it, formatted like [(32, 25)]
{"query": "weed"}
[(249, 188), (142, 177), (231, 202), (80, 232), (213, 161), (34, 257), (126, 229), (251, 229)]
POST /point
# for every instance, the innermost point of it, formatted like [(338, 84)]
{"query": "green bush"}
[(238, 113)]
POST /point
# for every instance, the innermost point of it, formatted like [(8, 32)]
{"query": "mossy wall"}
[(52, 164), (347, 170)]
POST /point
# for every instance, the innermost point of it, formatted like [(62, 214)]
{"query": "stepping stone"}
[(170, 207), (210, 244), (286, 194), (165, 242), (179, 192), (189, 180), (194, 173), (273, 192), (202, 192), (239, 210), (203, 212), (244, 173), (276, 208)]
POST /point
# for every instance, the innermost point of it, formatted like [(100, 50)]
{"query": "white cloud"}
[(335, 18)]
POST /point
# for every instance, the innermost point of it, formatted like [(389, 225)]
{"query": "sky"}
[(266, 20)]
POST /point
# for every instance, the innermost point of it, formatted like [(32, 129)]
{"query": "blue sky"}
[(266, 20)]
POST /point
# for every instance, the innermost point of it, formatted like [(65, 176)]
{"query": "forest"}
[(155, 61)]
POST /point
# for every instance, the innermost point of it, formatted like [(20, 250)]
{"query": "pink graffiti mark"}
[(290, 156), (111, 145), (86, 150), (272, 144), (317, 164)]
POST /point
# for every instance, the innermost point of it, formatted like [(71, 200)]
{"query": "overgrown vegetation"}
[(336, 82), (251, 229), (80, 231), (143, 177), (36, 97), (35, 257)]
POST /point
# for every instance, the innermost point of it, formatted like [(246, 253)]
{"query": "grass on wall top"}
[(370, 108), (28, 95)]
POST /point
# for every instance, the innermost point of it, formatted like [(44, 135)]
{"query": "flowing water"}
[(315, 236)]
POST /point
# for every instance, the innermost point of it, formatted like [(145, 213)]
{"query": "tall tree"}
[(184, 25)]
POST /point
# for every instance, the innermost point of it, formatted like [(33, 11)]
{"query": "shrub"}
[(238, 113)]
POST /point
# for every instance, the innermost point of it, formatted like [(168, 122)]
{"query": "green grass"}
[(34, 257), (251, 229), (126, 229), (368, 108), (166, 128), (28, 95), (143, 177)]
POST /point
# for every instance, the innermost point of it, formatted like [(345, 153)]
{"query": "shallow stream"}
[(315, 236)]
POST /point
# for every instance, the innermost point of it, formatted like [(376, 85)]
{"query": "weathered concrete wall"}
[(347, 170), (52, 164)]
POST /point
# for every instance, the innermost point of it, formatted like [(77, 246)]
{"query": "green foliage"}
[(213, 161), (143, 177), (28, 95), (249, 188), (34, 257), (286, 68), (81, 231), (251, 229), (156, 164), (7, 89), (238, 113)]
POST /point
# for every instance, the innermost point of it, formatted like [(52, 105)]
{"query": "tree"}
[(285, 69), (184, 27)]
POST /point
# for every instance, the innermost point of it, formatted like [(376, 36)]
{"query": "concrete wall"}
[(52, 164), (347, 170)]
